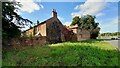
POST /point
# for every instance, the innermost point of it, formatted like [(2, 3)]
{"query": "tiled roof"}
[(39, 24)]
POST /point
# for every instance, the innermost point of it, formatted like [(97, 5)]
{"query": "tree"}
[(75, 20), (87, 22), (110, 34), (10, 28), (11, 21)]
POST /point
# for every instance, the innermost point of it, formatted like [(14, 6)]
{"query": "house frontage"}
[(55, 31)]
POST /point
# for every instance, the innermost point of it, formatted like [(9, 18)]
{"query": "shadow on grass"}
[(61, 56)]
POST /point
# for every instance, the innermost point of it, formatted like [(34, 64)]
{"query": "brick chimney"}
[(54, 13)]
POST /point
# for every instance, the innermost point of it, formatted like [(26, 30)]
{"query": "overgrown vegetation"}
[(84, 53)]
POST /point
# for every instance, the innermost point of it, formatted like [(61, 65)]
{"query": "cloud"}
[(100, 14), (26, 27), (29, 6), (67, 23), (18, 12), (90, 7)]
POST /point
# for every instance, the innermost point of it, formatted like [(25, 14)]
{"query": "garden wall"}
[(27, 41)]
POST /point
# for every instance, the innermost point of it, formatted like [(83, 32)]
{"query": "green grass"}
[(84, 53)]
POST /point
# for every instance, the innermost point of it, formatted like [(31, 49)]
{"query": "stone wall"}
[(54, 28), (83, 34), (27, 41)]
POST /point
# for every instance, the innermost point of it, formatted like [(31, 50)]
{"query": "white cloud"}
[(26, 27), (67, 23), (90, 7), (100, 14), (18, 12), (29, 6)]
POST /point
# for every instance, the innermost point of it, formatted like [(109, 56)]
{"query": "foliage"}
[(11, 20), (75, 20), (10, 30), (84, 53), (87, 22), (110, 34)]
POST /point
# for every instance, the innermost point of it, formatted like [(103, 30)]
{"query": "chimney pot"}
[(54, 13)]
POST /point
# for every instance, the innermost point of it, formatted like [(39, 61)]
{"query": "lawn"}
[(84, 53)]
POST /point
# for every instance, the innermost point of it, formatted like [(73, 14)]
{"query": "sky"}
[(106, 12)]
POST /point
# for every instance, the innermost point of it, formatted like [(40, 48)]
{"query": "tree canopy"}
[(110, 34), (87, 22), (11, 20)]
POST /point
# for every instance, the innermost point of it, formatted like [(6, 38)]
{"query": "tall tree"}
[(10, 28), (87, 22)]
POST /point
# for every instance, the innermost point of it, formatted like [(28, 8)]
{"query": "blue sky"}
[(106, 12)]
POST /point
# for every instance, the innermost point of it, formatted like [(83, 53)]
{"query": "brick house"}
[(55, 31)]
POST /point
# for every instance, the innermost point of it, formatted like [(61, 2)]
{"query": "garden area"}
[(83, 53)]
